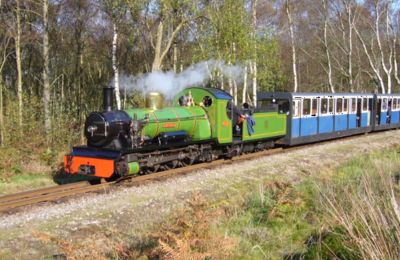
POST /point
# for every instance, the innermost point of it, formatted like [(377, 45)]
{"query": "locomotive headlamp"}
[(91, 129)]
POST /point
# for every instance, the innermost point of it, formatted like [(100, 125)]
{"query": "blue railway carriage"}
[(315, 117), (387, 111)]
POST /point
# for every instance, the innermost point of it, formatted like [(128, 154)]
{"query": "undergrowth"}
[(349, 213)]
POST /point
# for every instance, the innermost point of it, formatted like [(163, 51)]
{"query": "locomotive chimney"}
[(154, 100), (108, 98)]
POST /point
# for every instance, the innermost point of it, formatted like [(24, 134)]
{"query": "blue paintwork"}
[(383, 118), (326, 124), (309, 126), (88, 152), (352, 121), (395, 117), (340, 122), (295, 127), (364, 119), (219, 94)]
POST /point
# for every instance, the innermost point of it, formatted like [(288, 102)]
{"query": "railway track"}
[(55, 193)]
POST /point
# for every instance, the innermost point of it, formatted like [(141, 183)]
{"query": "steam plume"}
[(169, 83)]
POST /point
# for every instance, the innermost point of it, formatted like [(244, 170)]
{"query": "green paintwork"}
[(134, 167), (221, 125), (268, 125), (193, 120)]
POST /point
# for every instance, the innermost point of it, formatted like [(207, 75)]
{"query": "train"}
[(204, 124)]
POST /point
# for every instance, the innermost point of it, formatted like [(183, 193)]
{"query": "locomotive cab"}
[(214, 102)]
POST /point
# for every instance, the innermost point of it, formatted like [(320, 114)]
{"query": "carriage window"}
[(314, 107), (394, 105), (306, 107), (384, 104), (354, 105), (295, 108), (345, 103), (339, 105), (365, 104), (330, 107), (324, 105), (398, 103)]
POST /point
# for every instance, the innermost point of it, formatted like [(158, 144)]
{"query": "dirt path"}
[(104, 222)]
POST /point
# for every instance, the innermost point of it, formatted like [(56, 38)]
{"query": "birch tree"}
[(376, 56), (115, 66), (253, 63), (291, 32), (17, 39)]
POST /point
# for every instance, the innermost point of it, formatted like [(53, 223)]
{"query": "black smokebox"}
[(108, 95)]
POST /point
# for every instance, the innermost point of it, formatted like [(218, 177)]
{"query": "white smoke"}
[(170, 83)]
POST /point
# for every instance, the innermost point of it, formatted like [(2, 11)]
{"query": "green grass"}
[(24, 181)]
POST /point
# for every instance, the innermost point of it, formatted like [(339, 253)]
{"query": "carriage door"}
[(383, 112), (296, 109), (389, 110), (359, 106), (378, 111)]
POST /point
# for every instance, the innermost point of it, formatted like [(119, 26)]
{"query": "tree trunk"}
[(254, 83), (157, 50), (371, 63), (294, 62), (254, 63), (19, 65), (350, 53), (388, 71), (46, 80), (115, 66), (328, 56), (244, 94), (175, 61), (2, 131)]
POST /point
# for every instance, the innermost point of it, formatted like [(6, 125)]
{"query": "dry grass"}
[(190, 235), (368, 212)]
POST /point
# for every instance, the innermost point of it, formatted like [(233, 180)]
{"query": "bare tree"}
[(4, 55), (17, 38), (326, 46), (386, 68), (162, 45), (291, 31), (46, 80), (115, 65), (254, 62)]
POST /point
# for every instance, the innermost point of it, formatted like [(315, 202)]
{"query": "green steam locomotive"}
[(202, 125)]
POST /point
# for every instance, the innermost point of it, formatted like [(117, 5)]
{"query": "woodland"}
[(55, 56)]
